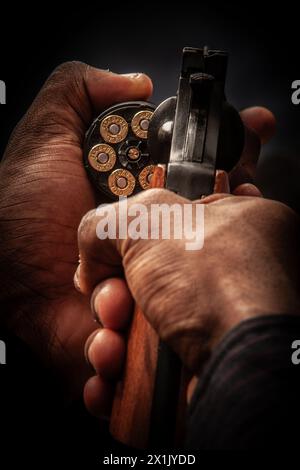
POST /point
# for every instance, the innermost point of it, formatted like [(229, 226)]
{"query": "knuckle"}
[(271, 215), (85, 225), (157, 196), (284, 213), (68, 71), (53, 112), (65, 84)]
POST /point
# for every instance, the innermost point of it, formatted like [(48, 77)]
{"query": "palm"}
[(54, 196), (44, 192)]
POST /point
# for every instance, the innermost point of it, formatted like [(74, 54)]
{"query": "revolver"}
[(191, 134)]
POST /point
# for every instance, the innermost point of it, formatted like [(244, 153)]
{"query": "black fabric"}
[(249, 394)]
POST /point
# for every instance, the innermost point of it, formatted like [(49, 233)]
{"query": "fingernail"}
[(87, 347), (94, 313), (76, 279), (135, 75)]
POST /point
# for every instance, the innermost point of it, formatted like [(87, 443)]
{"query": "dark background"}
[(148, 37)]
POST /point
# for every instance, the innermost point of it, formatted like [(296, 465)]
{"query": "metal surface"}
[(121, 182), (145, 176), (193, 154), (127, 151), (140, 123), (113, 129), (97, 153)]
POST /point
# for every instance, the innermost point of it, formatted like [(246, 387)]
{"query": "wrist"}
[(250, 300)]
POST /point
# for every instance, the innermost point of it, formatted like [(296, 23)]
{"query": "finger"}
[(98, 396), (259, 127), (118, 88), (101, 253), (221, 189), (247, 189), (66, 104), (261, 120), (106, 353), (87, 347), (112, 304), (221, 182), (245, 170), (213, 198), (99, 258), (191, 387), (83, 89)]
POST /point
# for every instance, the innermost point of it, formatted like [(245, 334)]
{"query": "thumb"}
[(107, 88), (65, 106), (106, 246)]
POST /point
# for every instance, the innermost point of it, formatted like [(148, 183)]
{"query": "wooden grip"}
[(131, 413)]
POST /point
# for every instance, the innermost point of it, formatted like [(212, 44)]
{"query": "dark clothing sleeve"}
[(248, 396)]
